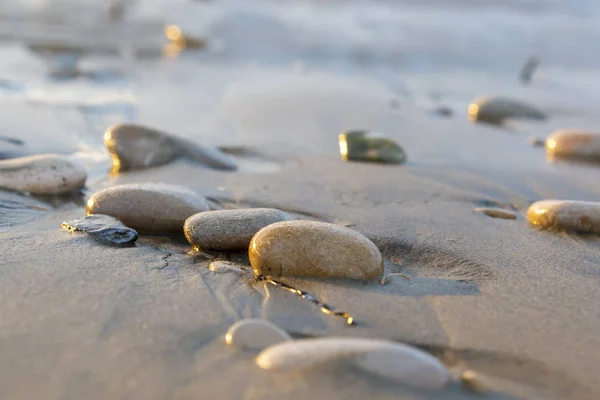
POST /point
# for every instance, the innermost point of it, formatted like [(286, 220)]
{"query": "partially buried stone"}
[(229, 230), (42, 174), (317, 249), (370, 147), (570, 215), (574, 144), (133, 146), (495, 110), (103, 228), (497, 213), (148, 207), (255, 334)]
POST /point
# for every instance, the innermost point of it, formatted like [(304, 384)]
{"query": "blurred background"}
[(172, 63)]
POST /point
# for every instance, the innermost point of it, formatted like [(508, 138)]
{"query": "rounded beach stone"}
[(42, 174), (133, 146), (370, 147), (495, 110), (255, 334), (574, 144), (148, 207), (229, 230), (317, 249), (390, 360), (571, 215)]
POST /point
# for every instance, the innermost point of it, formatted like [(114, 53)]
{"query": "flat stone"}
[(574, 144), (134, 146), (148, 207), (42, 174), (229, 230), (103, 228), (495, 110), (496, 213), (255, 334), (391, 360), (370, 147), (317, 249), (570, 215)]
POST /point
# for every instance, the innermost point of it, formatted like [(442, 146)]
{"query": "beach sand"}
[(519, 306)]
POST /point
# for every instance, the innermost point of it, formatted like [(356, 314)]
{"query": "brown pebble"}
[(570, 215), (148, 207), (497, 213), (317, 249), (471, 381), (574, 144), (229, 230)]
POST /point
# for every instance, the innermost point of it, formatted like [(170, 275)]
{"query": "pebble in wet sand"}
[(133, 146), (316, 249), (370, 147), (229, 230), (574, 144), (148, 207), (497, 213), (255, 334), (42, 174), (103, 228), (495, 110), (570, 215), (536, 142), (396, 361)]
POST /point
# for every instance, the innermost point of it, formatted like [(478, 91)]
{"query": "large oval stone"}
[(42, 174), (229, 230), (317, 249), (570, 215), (495, 110), (148, 207)]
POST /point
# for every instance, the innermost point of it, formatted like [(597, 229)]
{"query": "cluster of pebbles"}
[(278, 245)]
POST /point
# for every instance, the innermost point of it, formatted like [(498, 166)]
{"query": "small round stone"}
[(317, 249), (497, 213), (42, 174), (255, 334), (370, 147), (103, 228), (495, 110), (229, 230), (570, 215), (148, 207), (574, 144)]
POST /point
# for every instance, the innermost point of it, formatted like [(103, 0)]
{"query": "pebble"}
[(182, 40), (495, 110), (229, 230), (528, 69), (497, 213), (148, 207), (370, 147), (316, 249), (255, 334), (391, 360), (103, 228), (536, 142), (570, 215), (470, 380), (42, 174), (574, 144), (133, 146)]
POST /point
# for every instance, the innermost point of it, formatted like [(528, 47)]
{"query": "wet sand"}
[(519, 306)]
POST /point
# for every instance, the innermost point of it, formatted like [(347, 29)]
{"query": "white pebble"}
[(255, 334), (395, 361)]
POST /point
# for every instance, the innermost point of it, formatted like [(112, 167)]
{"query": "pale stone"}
[(229, 230), (148, 207), (574, 144), (42, 174), (255, 334), (570, 215), (497, 213), (317, 249), (391, 360)]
